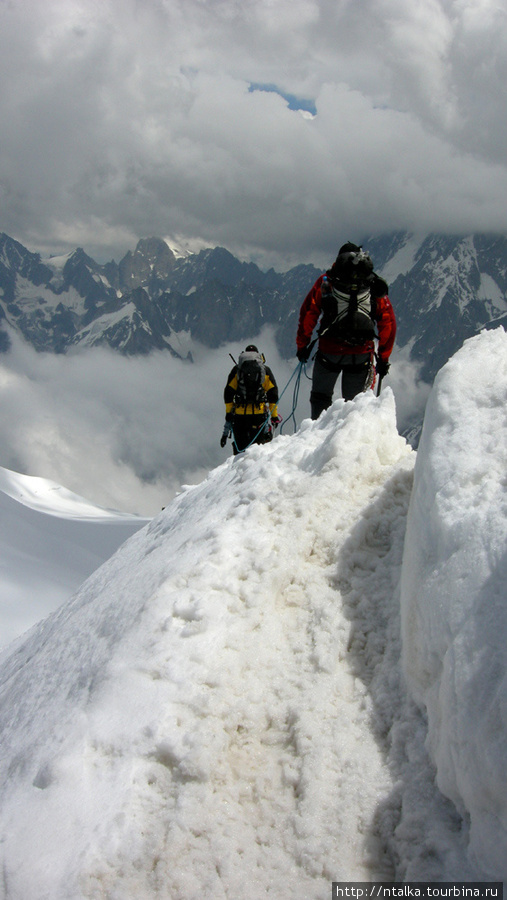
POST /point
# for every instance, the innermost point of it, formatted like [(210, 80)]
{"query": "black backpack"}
[(251, 374), (347, 304)]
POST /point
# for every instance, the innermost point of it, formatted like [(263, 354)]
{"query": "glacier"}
[(294, 674)]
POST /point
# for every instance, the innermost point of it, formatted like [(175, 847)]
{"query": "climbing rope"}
[(301, 366), (256, 435), (298, 371)]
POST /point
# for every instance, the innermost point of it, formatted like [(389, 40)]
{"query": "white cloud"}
[(126, 119)]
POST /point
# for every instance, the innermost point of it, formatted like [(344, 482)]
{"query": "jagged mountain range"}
[(443, 288)]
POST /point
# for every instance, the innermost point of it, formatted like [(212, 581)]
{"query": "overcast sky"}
[(128, 118)]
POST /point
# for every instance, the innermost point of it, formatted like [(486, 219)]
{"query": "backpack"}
[(251, 374), (347, 304)]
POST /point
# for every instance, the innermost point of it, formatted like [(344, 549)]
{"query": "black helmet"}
[(348, 248), (352, 264), (251, 349)]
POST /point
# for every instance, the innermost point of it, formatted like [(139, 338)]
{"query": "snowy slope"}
[(404, 257), (51, 540), (222, 703)]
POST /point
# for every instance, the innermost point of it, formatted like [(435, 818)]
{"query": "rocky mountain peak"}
[(150, 264)]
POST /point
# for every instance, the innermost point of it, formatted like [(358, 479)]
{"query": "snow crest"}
[(199, 716)]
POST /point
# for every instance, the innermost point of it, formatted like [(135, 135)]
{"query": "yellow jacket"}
[(251, 409)]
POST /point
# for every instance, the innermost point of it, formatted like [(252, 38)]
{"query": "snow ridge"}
[(223, 703), (239, 755)]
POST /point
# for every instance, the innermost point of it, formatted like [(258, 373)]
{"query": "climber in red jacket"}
[(351, 304)]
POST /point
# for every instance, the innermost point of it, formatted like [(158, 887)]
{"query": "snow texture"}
[(221, 710), (454, 589)]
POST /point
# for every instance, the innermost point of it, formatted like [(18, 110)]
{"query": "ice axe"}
[(384, 368)]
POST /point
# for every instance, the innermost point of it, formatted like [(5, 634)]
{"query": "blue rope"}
[(295, 396), (259, 432), (300, 370)]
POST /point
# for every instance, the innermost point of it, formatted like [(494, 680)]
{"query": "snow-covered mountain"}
[(294, 674), (444, 289), (152, 300), (51, 540)]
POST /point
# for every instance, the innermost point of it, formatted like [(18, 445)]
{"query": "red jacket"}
[(310, 313)]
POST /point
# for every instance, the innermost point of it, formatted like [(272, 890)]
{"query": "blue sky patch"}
[(292, 101)]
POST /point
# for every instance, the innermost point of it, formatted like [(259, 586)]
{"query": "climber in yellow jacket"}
[(250, 397)]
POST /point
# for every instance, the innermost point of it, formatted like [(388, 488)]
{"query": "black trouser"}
[(357, 376), (248, 430)]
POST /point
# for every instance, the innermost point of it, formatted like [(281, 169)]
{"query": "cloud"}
[(124, 432), (123, 119), (127, 432)]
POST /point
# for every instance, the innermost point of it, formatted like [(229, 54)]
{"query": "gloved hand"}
[(382, 367), (225, 434), (275, 421), (303, 353)]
